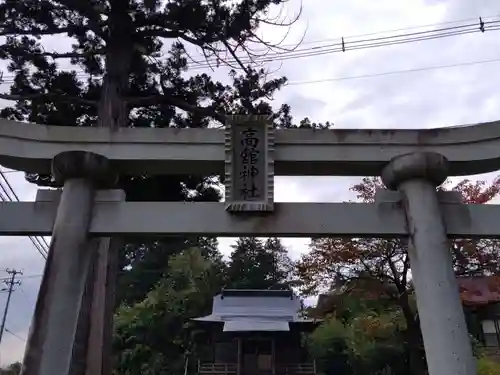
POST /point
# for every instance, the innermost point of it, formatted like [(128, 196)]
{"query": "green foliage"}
[(124, 42), (125, 63), (486, 366), (256, 264), (368, 343), (144, 263), (477, 346), (329, 346), (379, 269), (12, 369), (349, 303), (152, 336)]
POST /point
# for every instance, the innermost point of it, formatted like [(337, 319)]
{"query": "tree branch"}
[(67, 55), (397, 281), (406, 267), (375, 275), (85, 9), (34, 31), (179, 103), (162, 33), (236, 58), (48, 97)]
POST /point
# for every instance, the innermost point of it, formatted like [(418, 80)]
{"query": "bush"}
[(369, 344)]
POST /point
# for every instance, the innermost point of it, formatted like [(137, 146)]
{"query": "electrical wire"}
[(20, 277), (7, 194), (344, 45), (14, 334), (357, 45), (21, 289), (42, 246), (332, 79), (29, 276), (415, 27), (371, 75)]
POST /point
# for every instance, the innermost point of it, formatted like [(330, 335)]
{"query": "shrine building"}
[(254, 332)]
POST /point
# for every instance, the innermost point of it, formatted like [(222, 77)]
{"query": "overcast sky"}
[(425, 98)]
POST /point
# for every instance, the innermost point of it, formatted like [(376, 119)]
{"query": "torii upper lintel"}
[(471, 149)]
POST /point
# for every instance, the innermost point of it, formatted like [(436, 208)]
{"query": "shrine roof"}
[(479, 290), (255, 310)]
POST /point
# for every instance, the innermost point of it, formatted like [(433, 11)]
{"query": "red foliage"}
[(477, 291), (334, 262), (366, 189), (477, 192)]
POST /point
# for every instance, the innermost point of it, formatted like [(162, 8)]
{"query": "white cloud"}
[(431, 98)]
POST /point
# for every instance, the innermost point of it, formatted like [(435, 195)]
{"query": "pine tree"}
[(255, 264), (121, 71), (119, 63)]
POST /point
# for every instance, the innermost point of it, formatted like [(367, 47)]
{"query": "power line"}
[(338, 49), (7, 194), (30, 276), (345, 45), (11, 171), (414, 27), (14, 334), (332, 79), (393, 72), (21, 289), (421, 26)]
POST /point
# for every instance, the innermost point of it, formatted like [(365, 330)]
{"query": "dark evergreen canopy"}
[(118, 63)]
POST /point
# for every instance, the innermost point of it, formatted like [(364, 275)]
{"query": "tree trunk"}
[(413, 338), (112, 110), (416, 352), (112, 113)]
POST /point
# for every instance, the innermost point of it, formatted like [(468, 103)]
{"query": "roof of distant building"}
[(255, 310), (479, 290)]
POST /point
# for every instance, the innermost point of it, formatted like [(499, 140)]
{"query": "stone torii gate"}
[(70, 329)]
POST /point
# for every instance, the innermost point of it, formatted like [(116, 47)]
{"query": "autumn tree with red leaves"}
[(380, 268)]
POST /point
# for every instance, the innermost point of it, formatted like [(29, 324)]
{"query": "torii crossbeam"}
[(469, 149), (85, 160)]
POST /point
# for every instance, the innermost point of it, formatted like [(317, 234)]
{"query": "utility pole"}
[(10, 282)]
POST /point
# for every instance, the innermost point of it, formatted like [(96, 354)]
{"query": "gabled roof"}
[(255, 310)]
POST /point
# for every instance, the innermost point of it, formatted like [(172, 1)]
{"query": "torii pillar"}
[(61, 323), (446, 340)]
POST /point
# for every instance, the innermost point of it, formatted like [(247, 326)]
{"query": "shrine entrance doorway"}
[(257, 356)]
